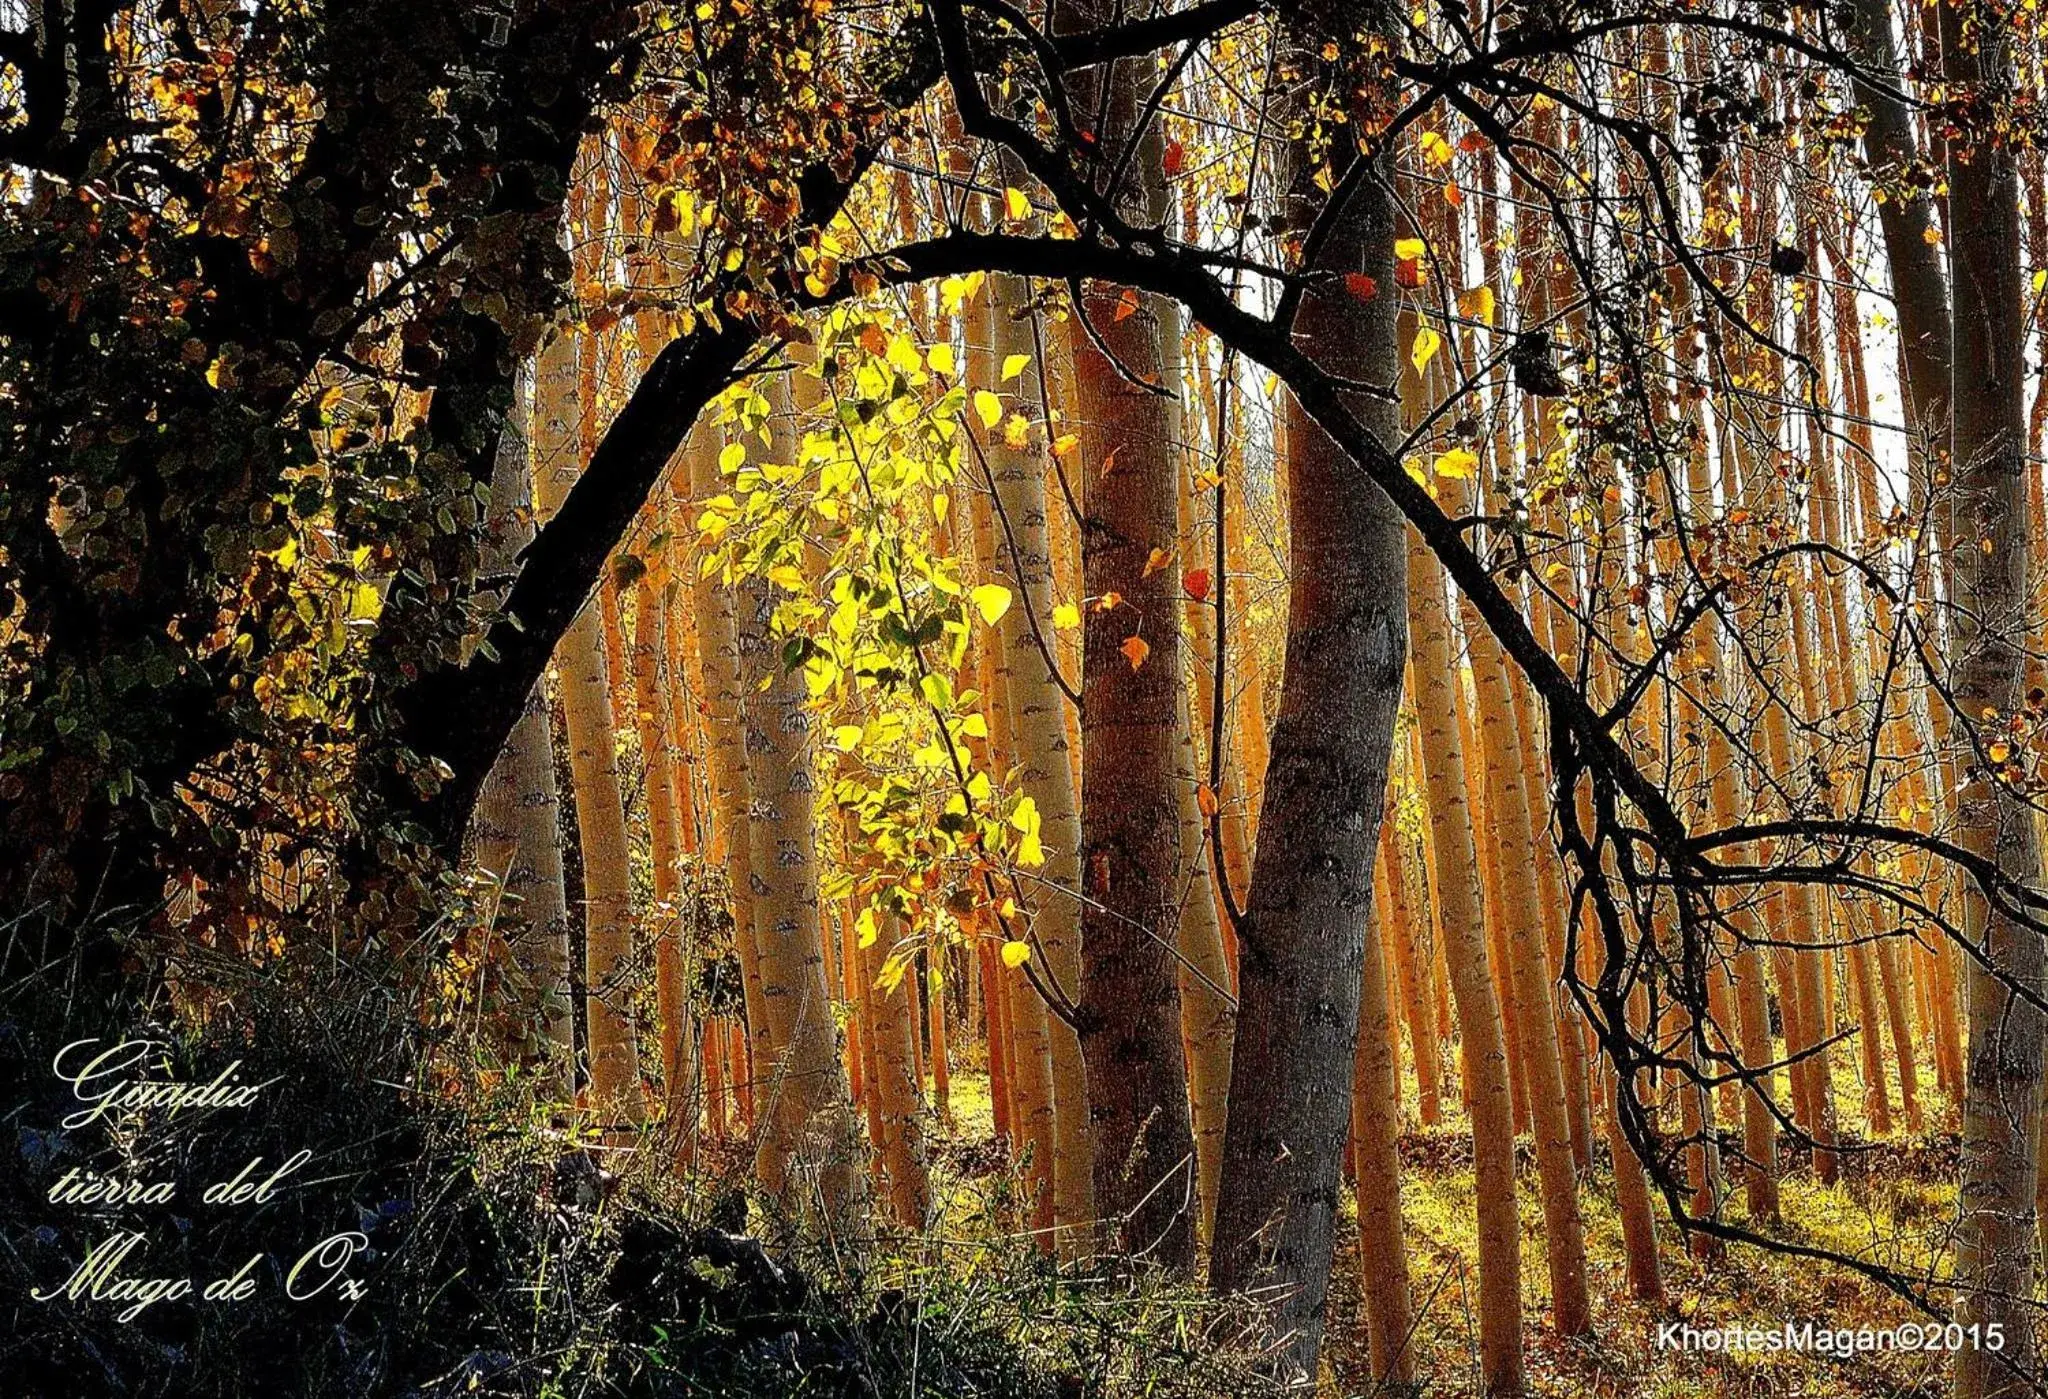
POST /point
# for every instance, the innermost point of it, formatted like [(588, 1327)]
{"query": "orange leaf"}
[(1196, 581), (1135, 651), (1156, 560), (1361, 286), (1108, 602), (1205, 798), (1126, 305)]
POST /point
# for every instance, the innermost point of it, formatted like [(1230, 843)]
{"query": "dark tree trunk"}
[(1131, 857), (1303, 934), (1988, 646)]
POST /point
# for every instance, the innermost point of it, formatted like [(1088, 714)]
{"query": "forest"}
[(1010, 698)]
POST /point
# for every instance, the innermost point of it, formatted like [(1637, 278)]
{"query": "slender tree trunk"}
[(665, 847), (518, 831), (1376, 1157), (1528, 970), (1462, 934), (1412, 974), (811, 1113), (1988, 638), (894, 1087), (724, 700), (593, 763), (1133, 871), (1036, 710)]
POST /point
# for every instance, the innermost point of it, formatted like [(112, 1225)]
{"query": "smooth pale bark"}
[(1133, 869), (593, 765), (1208, 1015), (1035, 710), (724, 701), (1412, 972), (810, 1112), (1462, 934), (892, 1019), (1033, 1115), (665, 848), (1529, 978), (1631, 1188), (1988, 636), (517, 831), (1376, 1169)]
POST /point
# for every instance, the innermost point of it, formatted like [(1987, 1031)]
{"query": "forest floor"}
[(1893, 1206)]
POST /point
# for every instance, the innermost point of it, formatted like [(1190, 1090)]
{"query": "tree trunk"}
[(593, 764), (1988, 638), (1462, 932), (665, 848), (1133, 873), (517, 832), (810, 1112), (1376, 1157), (1030, 712), (1304, 935), (724, 701)]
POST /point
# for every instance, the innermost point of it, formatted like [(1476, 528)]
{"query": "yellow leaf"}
[(1931, 236), (941, 357), (1424, 348), (1458, 463), (1066, 616), (1064, 444), (1135, 651), (1477, 304), (974, 726), (1016, 205), (1014, 365), (1016, 954), (1156, 560), (865, 927), (988, 408), (1016, 432), (1408, 249), (847, 736), (1027, 821), (991, 600)]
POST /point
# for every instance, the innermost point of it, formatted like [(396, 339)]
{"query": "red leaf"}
[(1196, 582), (1361, 286), (1176, 157)]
